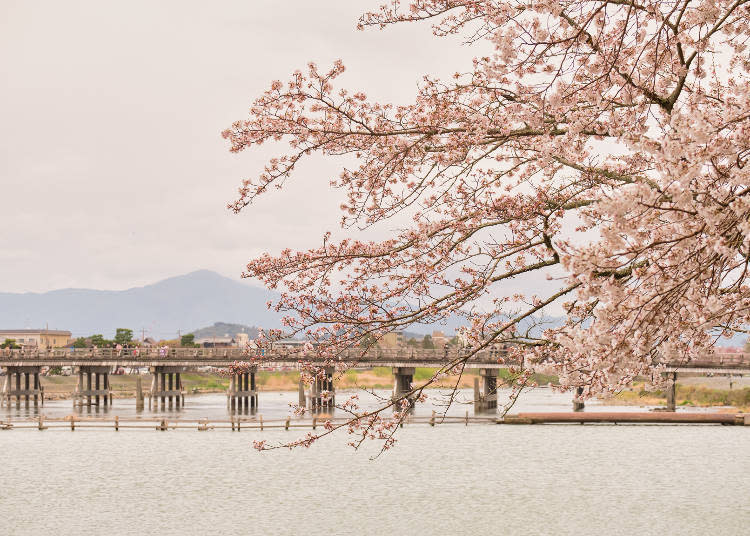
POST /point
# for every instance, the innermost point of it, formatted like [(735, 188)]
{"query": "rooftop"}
[(32, 331)]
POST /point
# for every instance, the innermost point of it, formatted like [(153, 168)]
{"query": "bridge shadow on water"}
[(277, 405)]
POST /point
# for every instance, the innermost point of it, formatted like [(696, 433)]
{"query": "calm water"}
[(276, 405), (450, 479), (526, 480)]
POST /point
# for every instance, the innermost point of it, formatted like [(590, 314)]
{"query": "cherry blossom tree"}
[(599, 146)]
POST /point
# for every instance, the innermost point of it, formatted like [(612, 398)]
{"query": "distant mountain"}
[(451, 325), (178, 303), (222, 329), (181, 303)]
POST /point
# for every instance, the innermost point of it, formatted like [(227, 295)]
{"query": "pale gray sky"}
[(113, 173)]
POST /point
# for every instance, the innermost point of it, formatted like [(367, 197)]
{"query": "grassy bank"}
[(539, 379), (61, 387), (688, 395)]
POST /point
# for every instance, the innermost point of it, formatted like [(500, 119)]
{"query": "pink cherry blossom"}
[(602, 145)]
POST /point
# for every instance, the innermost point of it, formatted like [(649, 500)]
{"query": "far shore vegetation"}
[(687, 395), (60, 387)]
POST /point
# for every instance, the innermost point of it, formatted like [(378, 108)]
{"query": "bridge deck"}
[(717, 363), (397, 357), (224, 357)]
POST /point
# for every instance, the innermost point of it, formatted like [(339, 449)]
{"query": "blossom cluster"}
[(602, 145)]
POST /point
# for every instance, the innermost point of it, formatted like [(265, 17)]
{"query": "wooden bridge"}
[(23, 369), (735, 364), (224, 357)]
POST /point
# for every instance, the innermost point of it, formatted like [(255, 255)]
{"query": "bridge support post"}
[(230, 390), (96, 382), (28, 390), (79, 382), (138, 394), (100, 387), (254, 389), (244, 386), (166, 386), (671, 391), (170, 395), (302, 402), (6, 389), (88, 388), (486, 400), (578, 403), (242, 394), (322, 391), (402, 380), (181, 396), (153, 404), (37, 390), (38, 393)]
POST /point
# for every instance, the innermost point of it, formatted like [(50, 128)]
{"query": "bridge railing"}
[(288, 354), (721, 360), (493, 355)]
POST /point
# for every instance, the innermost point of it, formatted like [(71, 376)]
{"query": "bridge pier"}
[(322, 391), (27, 385), (671, 390), (138, 394), (578, 403), (166, 386), (242, 394), (99, 392), (402, 383), (486, 400)]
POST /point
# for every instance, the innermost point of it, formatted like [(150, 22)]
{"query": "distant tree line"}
[(11, 344), (123, 337), (188, 341), (427, 342)]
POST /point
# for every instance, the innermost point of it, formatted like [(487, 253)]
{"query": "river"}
[(450, 479), (276, 405)]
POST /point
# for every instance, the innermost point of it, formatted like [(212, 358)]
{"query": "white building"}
[(38, 338), (216, 342)]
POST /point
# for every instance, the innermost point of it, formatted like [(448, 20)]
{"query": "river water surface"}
[(276, 405), (450, 479)]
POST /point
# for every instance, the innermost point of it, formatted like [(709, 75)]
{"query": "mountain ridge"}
[(184, 302)]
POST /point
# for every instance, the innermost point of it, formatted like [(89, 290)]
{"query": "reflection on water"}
[(509, 480), (277, 405)]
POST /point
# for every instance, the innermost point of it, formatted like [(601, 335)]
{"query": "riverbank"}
[(257, 422), (213, 482), (686, 396), (123, 386), (695, 392)]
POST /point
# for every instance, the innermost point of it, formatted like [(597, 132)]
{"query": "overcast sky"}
[(114, 172)]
